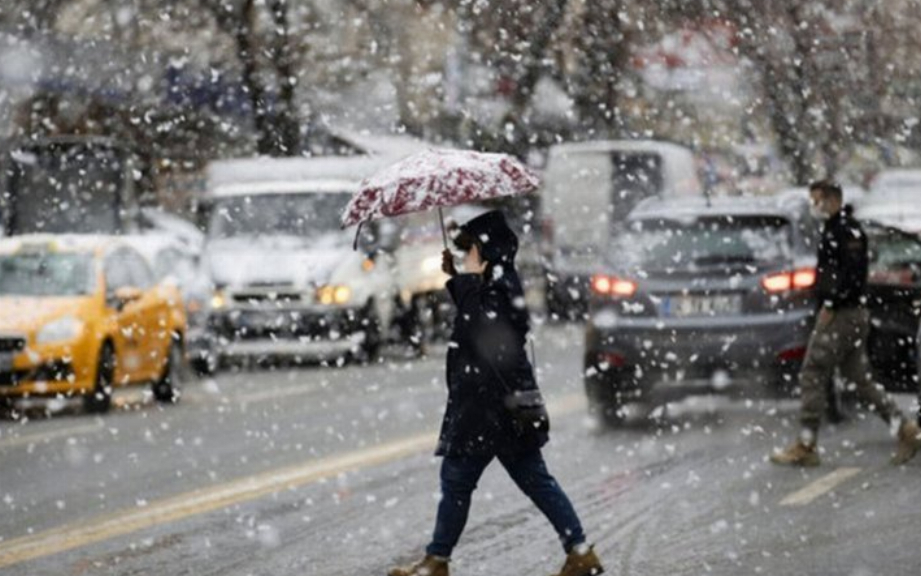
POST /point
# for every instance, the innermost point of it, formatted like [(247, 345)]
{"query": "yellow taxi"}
[(80, 315)]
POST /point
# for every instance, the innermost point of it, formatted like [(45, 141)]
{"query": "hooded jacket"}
[(486, 355), (843, 262)]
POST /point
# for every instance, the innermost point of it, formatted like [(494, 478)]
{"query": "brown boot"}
[(428, 566), (909, 443), (581, 563), (797, 454)]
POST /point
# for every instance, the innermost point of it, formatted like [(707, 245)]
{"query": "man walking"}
[(839, 339)]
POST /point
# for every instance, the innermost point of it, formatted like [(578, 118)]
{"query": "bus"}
[(68, 184)]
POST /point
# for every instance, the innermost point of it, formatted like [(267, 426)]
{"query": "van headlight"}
[(60, 330), (431, 264), (334, 294), (218, 300)]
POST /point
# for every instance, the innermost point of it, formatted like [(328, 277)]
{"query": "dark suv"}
[(716, 296)]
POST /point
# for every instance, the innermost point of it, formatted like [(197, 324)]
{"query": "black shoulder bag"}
[(526, 407)]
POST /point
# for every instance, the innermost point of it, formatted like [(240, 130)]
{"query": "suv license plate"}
[(685, 306)]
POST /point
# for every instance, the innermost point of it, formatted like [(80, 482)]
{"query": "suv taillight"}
[(800, 279), (605, 285)]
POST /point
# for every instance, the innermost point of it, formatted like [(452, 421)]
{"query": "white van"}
[(588, 189), (286, 279)]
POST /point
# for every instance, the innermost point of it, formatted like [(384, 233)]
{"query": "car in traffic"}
[(286, 281), (588, 189), (174, 261), (80, 315), (703, 296), (894, 200)]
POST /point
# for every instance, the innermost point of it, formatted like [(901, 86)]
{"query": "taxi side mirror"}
[(126, 295)]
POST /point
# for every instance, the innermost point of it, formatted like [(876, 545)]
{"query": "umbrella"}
[(436, 179)]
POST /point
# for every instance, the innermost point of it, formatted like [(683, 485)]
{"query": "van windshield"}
[(284, 214), (663, 244)]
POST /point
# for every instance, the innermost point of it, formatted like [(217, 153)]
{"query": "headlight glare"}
[(329, 295), (218, 300), (60, 330)]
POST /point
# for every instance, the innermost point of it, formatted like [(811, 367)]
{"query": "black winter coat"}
[(486, 354), (843, 263)]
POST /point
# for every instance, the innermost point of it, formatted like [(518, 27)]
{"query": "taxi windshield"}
[(45, 274)]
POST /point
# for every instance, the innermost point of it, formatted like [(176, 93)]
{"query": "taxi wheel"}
[(168, 387), (100, 399), (7, 408)]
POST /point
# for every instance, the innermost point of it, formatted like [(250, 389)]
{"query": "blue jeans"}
[(459, 477)]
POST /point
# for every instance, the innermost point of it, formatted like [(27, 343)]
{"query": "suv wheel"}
[(604, 404)]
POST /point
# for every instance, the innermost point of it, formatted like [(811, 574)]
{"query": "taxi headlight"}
[(60, 330), (334, 294)]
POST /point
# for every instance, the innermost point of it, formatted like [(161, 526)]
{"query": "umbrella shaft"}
[(444, 233)]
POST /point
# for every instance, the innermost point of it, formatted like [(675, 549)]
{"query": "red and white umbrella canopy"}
[(438, 178)]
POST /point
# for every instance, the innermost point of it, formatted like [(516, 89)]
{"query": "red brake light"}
[(611, 286), (804, 278), (778, 282), (786, 281), (601, 284), (623, 288)]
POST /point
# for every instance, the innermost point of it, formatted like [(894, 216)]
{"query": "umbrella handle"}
[(444, 233), (357, 234)]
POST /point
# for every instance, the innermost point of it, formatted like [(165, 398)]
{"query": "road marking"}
[(82, 533), (24, 440), (819, 487)]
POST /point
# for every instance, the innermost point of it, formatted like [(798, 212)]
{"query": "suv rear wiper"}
[(723, 259)]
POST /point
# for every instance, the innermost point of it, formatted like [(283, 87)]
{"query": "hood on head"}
[(499, 243)]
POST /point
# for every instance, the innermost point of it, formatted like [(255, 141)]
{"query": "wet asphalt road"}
[(329, 471)]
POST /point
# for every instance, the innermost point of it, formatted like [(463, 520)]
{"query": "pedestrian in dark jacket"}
[(839, 339), (486, 362)]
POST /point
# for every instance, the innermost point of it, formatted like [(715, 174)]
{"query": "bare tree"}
[(275, 122)]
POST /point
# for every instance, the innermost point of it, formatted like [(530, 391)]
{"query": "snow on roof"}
[(789, 196), (694, 207), (900, 179), (226, 173), (379, 150), (96, 243), (390, 145), (287, 187), (606, 146)]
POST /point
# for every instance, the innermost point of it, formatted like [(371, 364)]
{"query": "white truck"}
[(588, 189), (286, 280)]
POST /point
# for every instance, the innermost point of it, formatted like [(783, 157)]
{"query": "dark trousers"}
[(459, 477)]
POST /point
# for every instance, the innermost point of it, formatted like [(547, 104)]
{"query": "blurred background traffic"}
[(208, 148)]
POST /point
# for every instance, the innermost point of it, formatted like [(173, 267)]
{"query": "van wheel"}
[(371, 325), (169, 387), (100, 399)]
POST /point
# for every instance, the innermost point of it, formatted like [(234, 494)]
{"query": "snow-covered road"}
[(329, 471)]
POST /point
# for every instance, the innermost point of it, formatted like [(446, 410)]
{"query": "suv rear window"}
[(665, 244)]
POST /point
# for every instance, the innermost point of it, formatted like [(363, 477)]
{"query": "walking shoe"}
[(581, 563), (797, 454), (909, 443), (428, 566)]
